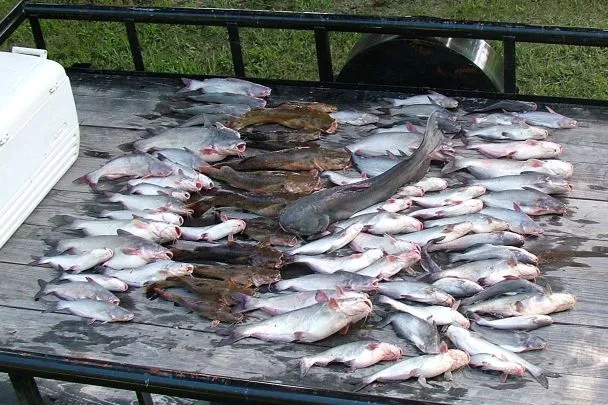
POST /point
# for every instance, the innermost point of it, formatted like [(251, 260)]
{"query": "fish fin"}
[(512, 261), (299, 335), (511, 277), (122, 232), (129, 250), (455, 305), (373, 345), (91, 321), (344, 330), (232, 338), (519, 306), (127, 146), (320, 296), (41, 293), (384, 322), (535, 162), (503, 377), (454, 163), (540, 376), (35, 260), (516, 207), (187, 84), (242, 301), (333, 304), (305, 365), (550, 109), (443, 347), (448, 375), (484, 282), (364, 383), (85, 179)]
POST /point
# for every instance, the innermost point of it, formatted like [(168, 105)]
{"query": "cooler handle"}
[(41, 53)]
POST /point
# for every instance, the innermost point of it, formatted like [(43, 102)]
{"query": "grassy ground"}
[(542, 69)]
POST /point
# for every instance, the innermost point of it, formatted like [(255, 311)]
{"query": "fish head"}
[(389, 352), (559, 167), (180, 195), (539, 133), (166, 231), (564, 301), (527, 271), (557, 183), (356, 308), (302, 223), (229, 147), (565, 122), (459, 358)]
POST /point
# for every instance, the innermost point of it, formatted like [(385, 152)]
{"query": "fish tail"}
[(454, 163), (187, 85), (305, 364), (52, 306), (36, 260), (364, 383), (62, 222), (426, 261), (232, 338), (42, 291), (86, 179), (243, 302)]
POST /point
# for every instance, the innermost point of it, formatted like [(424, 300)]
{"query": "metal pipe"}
[(409, 26), (323, 47), (134, 46), (510, 65), (235, 49), (11, 21), (178, 383), (37, 32)]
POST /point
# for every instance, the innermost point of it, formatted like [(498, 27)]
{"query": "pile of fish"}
[(427, 232)]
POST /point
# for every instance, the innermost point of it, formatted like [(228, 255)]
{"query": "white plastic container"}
[(39, 133)]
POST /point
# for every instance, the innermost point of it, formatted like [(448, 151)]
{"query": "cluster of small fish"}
[(485, 215), (123, 248)]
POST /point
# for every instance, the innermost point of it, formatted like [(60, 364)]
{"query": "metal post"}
[(37, 32), (26, 389), (235, 49), (144, 398), (326, 73), (138, 60), (510, 65)]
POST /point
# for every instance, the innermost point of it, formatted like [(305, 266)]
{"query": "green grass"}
[(542, 69)]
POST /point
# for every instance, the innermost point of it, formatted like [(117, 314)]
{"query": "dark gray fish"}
[(489, 251), (314, 213), (422, 334), (510, 285), (509, 105), (514, 341)]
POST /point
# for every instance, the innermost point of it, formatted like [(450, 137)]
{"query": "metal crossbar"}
[(321, 24)]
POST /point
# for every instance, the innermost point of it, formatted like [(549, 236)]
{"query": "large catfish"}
[(313, 213)]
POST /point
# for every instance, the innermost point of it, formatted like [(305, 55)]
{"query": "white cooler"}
[(39, 134)]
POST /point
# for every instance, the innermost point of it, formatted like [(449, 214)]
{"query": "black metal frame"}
[(23, 367), (320, 24)]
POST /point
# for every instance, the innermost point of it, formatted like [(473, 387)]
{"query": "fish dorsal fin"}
[(550, 109), (333, 304), (122, 232), (516, 207), (320, 296)]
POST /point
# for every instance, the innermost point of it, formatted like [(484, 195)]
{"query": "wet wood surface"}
[(116, 110)]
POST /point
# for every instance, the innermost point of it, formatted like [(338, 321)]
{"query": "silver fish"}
[(352, 117), (514, 341), (356, 355), (421, 333), (515, 132), (167, 217), (275, 304), (330, 264), (375, 166), (178, 181), (133, 165), (94, 310), (436, 314), (211, 233), (237, 110), (493, 363), (380, 144), (127, 244), (490, 251), (158, 232), (343, 279), (401, 128), (390, 265), (416, 291), (200, 140), (490, 168), (524, 304), (387, 243), (531, 202), (229, 98), (76, 290), (340, 179), (458, 209), (422, 367), (481, 223), (443, 234), (526, 322), (496, 238), (78, 262), (538, 181), (473, 344), (430, 98), (107, 282), (422, 111), (309, 324), (227, 85), (498, 119), (141, 276), (383, 223), (488, 272), (449, 196), (150, 203), (549, 119), (508, 286), (529, 149), (152, 189), (457, 287), (518, 221), (329, 243), (183, 157), (431, 184)]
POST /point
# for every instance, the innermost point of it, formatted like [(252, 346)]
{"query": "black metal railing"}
[(321, 24)]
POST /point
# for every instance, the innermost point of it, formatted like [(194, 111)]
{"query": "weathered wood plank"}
[(139, 344)]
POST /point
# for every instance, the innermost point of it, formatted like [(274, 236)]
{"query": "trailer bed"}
[(165, 345)]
